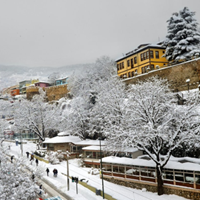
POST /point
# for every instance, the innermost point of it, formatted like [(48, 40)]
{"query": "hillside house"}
[(141, 60), (42, 84), (61, 81)]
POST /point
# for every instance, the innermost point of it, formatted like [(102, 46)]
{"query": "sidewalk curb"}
[(56, 189)]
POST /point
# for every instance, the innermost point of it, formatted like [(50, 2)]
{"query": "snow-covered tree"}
[(153, 123), (52, 77), (183, 38), (98, 84), (109, 108), (15, 183), (37, 115)]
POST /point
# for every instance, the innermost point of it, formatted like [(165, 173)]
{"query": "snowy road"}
[(60, 183)]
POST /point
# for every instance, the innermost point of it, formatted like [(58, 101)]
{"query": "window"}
[(152, 67), (135, 71), (122, 65), (142, 70), (129, 74), (128, 63), (157, 54), (146, 69), (141, 55), (132, 73), (124, 75), (151, 54), (168, 175), (147, 54), (132, 63), (135, 60)]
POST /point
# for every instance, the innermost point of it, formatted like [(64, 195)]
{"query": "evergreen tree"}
[(183, 37)]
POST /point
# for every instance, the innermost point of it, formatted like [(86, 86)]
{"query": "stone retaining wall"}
[(180, 191), (52, 92), (176, 75)]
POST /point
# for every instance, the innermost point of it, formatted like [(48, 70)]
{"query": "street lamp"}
[(101, 166), (68, 155), (21, 143), (188, 82)]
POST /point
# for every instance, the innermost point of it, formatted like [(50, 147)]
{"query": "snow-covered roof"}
[(64, 133), (93, 148), (62, 78), (149, 163), (88, 142), (105, 148), (42, 82), (143, 47), (64, 139)]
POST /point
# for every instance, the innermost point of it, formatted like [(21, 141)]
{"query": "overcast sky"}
[(66, 32)]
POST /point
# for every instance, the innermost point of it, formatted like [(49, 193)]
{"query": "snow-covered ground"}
[(116, 191)]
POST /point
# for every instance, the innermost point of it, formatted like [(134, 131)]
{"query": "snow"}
[(64, 139), (88, 142), (149, 163), (97, 148), (65, 133), (94, 148), (117, 191)]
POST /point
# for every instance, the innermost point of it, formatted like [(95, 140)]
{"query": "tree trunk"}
[(159, 180)]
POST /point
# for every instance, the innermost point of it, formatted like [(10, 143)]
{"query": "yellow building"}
[(145, 58)]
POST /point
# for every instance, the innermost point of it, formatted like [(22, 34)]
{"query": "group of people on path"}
[(55, 172), (32, 158)]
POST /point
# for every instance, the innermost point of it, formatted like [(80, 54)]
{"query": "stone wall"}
[(31, 91), (180, 191), (56, 92), (52, 93), (176, 75)]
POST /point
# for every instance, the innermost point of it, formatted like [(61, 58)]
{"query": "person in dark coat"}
[(36, 161), (33, 177), (40, 189), (12, 158), (47, 170), (32, 157), (55, 172), (27, 153)]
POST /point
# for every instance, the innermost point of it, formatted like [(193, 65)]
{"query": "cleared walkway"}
[(52, 191)]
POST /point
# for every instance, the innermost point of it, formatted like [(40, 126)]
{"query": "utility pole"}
[(21, 144), (101, 167), (68, 171)]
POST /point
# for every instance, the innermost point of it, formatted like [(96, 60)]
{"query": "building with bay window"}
[(143, 59)]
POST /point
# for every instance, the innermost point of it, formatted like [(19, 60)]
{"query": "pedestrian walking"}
[(40, 189), (36, 161), (47, 170), (27, 153), (32, 157), (33, 176), (12, 158), (55, 172)]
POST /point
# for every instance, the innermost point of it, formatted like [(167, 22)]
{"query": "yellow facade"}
[(141, 60), (32, 82)]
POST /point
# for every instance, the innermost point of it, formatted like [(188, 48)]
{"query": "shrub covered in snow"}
[(40, 153), (55, 157), (14, 183)]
